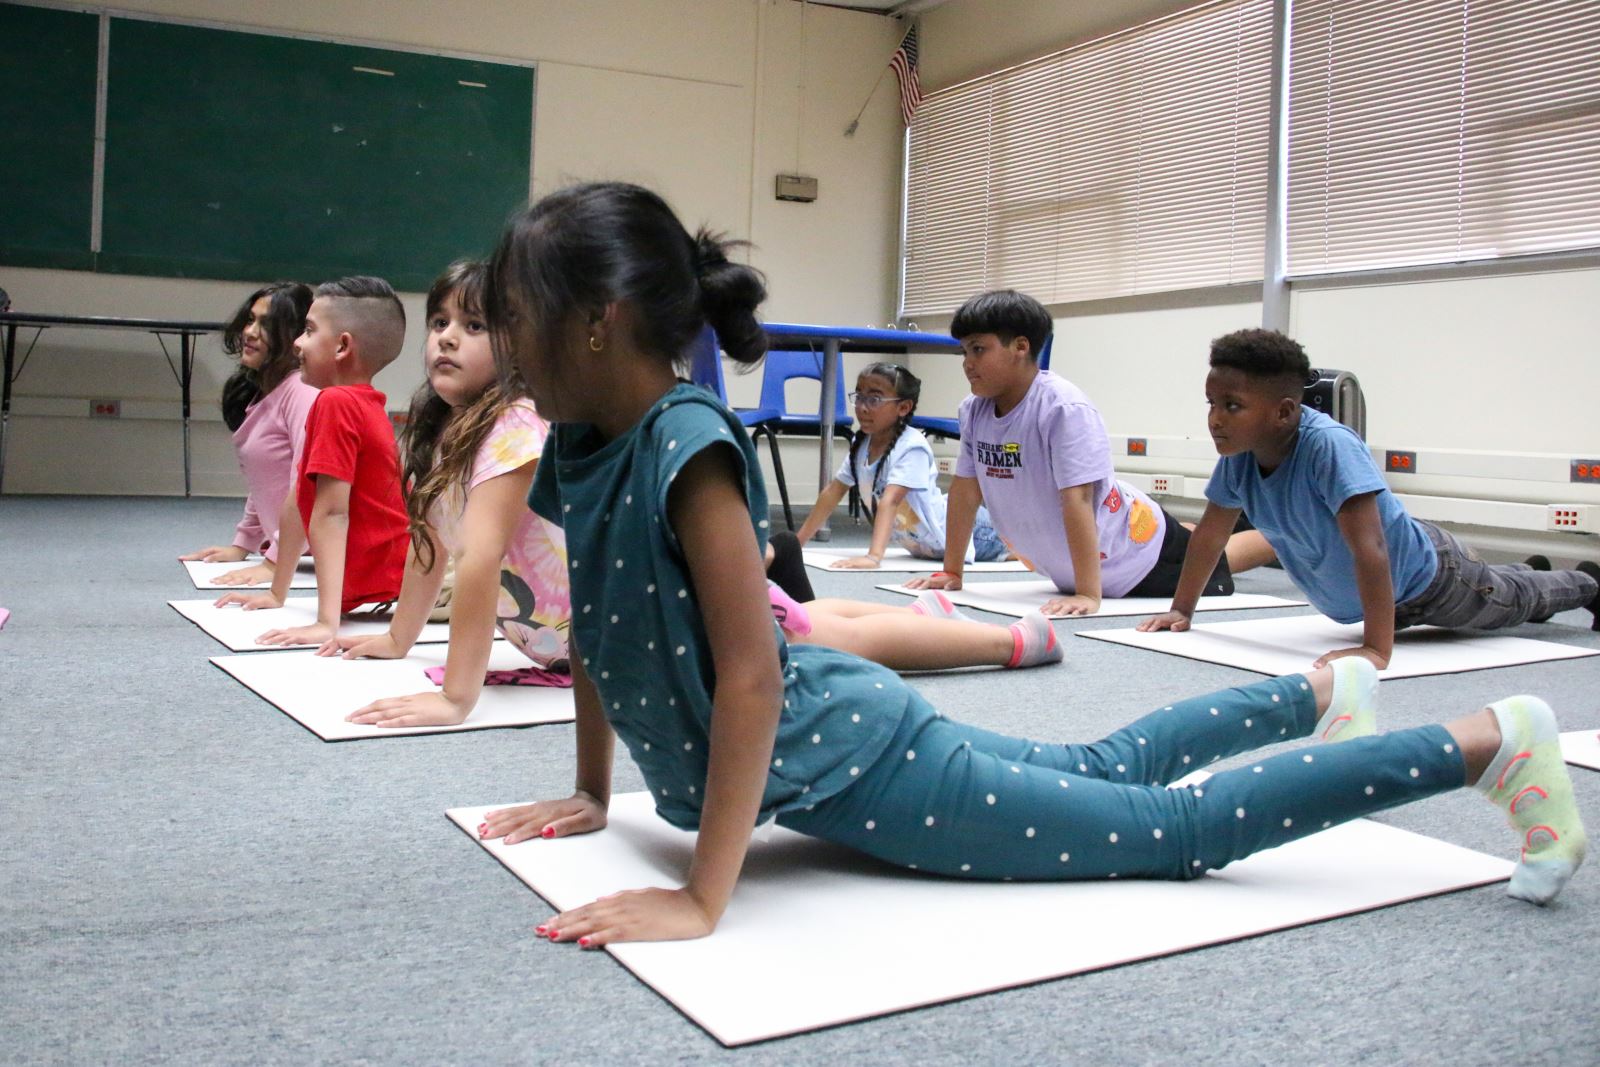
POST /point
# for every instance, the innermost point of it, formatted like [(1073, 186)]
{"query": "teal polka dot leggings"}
[(956, 800)]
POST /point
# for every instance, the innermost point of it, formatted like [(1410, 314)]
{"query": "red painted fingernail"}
[(548, 831), (583, 942), (553, 934), (538, 929)]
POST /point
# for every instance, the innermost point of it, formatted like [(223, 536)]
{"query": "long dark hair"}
[(906, 386), (285, 319), (580, 249), (440, 442)]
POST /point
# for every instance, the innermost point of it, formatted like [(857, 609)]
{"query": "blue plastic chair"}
[(950, 429), (705, 370), (779, 369)]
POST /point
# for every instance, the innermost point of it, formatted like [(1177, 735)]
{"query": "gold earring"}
[(595, 344)]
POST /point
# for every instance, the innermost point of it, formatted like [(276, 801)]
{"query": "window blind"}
[(1132, 163), (1437, 131)]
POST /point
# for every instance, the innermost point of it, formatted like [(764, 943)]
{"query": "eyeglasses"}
[(872, 401)]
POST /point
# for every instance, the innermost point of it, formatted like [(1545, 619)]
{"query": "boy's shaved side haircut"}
[(1008, 315), (1265, 355), (368, 308)]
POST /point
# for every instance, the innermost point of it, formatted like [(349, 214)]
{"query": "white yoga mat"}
[(238, 628), (898, 560), (318, 692), (1291, 645), (1581, 748), (816, 936), (204, 575), (1019, 598)]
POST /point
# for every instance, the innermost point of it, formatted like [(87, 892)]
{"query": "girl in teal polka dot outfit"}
[(593, 293)]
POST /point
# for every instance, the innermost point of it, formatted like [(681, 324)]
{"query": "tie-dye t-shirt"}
[(535, 607)]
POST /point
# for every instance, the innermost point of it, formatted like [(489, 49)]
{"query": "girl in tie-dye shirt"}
[(470, 449)]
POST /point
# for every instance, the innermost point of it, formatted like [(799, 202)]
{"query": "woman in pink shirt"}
[(265, 404)]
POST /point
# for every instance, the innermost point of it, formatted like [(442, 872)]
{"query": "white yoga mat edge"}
[(1581, 748), (276, 678), (651, 969), (1290, 644)]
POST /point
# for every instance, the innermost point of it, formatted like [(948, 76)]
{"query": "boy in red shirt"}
[(347, 494)]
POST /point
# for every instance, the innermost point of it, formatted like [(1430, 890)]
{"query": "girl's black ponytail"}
[(729, 295)]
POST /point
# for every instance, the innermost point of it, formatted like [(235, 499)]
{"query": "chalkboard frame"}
[(359, 162)]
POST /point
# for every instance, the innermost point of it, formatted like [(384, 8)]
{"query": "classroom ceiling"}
[(886, 7)]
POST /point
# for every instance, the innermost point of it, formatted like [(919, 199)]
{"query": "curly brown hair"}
[(440, 442)]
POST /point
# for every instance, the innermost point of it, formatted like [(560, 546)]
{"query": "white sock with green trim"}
[(1353, 711), (1528, 779)]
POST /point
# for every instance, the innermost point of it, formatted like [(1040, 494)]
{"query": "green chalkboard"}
[(48, 63), (247, 156)]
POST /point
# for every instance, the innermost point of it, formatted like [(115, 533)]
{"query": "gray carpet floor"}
[(188, 875)]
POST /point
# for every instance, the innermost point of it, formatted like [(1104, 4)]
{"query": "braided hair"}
[(906, 386)]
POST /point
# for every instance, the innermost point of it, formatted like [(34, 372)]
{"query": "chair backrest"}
[(780, 367), (1044, 352), (705, 364)]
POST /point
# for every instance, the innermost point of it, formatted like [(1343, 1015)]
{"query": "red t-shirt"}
[(348, 437)]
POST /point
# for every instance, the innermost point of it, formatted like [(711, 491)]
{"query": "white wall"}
[(700, 100), (1500, 363)]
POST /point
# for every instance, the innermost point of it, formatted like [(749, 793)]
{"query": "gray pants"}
[(1470, 594)]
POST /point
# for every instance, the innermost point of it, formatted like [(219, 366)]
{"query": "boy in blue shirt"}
[(1310, 486)]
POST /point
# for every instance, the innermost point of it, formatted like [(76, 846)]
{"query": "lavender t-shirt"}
[(1052, 440)]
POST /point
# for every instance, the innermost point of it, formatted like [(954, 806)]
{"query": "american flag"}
[(904, 62)]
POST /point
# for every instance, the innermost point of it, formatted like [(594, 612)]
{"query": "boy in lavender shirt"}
[(1034, 451)]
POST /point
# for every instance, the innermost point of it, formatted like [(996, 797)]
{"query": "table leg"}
[(10, 354), (826, 417), (186, 361)]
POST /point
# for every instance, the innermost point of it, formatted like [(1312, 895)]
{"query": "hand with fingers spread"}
[(1077, 604), (1379, 660), (1176, 621), (632, 915), (416, 709), (580, 813), (249, 601), (216, 554), (383, 646), (255, 574), (315, 634), (856, 563), (937, 580)]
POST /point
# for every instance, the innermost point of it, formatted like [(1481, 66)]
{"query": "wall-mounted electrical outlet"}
[(1400, 462), (1586, 470), (1570, 518), (1138, 446), (1160, 483), (105, 409)]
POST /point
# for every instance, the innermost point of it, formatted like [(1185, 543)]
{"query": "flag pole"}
[(850, 130)]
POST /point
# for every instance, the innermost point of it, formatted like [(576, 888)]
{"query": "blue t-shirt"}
[(636, 621), (1296, 508)]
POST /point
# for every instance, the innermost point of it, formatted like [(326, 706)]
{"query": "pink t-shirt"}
[(269, 442), (1050, 441), (535, 606)]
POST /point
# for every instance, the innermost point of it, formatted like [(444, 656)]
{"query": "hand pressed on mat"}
[(216, 554), (255, 574), (631, 915), (580, 813)]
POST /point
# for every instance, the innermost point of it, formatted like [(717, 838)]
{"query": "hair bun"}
[(729, 295)]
